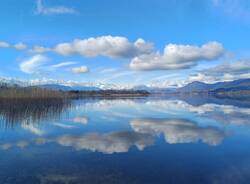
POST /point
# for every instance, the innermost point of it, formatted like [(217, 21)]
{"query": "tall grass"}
[(29, 92), (40, 93), (30, 105)]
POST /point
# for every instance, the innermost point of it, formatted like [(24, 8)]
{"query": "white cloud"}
[(79, 70), (17, 46), (109, 46), (178, 57), (20, 46), (63, 64), (33, 65), (38, 63), (178, 130), (41, 9), (236, 68), (226, 71), (39, 50), (4, 45), (201, 77), (105, 46)]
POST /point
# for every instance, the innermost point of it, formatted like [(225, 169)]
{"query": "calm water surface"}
[(144, 141)]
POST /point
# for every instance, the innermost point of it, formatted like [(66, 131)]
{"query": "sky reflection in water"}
[(126, 140)]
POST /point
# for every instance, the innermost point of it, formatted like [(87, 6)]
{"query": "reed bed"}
[(30, 92)]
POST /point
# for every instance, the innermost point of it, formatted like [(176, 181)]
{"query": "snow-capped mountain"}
[(8, 82), (62, 85)]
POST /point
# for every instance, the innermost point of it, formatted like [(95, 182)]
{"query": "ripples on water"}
[(145, 140)]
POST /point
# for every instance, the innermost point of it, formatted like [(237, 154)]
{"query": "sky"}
[(141, 42)]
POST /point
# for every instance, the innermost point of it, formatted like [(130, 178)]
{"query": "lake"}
[(135, 140)]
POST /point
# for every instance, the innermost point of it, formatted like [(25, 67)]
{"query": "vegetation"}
[(25, 110), (40, 93), (29, 92)]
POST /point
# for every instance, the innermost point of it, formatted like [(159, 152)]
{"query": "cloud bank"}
[(226, 71), (143, 54)]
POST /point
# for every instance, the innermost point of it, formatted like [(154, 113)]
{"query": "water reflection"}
[(108, 143), (226, 114), (32, 127), (114, 142), (145, 132), (145, 140), (81, 119), (179, 130)]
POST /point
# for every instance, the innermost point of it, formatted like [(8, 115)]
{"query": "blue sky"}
[(154, 42)]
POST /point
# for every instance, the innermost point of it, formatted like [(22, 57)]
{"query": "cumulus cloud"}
[(178, 57), (33, 65), (142, 53), (41, 9), (109, 46), (179, 130), (80, 70)]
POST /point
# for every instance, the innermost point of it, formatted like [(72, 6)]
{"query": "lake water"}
[(194, 140)]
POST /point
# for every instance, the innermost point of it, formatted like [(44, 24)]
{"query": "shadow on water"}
[(16, 111)]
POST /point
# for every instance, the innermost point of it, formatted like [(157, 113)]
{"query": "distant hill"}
[(194, 87), (200, 87)]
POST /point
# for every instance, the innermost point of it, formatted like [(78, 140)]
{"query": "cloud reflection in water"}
[(178, 130)]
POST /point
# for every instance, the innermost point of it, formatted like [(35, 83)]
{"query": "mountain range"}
[(193, 87), (236, 85)]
